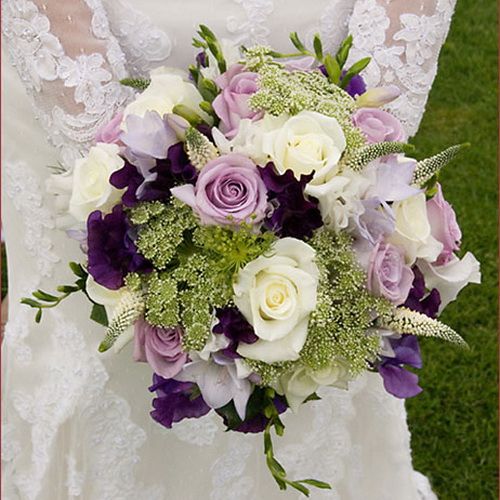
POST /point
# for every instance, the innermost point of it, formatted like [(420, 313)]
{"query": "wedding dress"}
[(76, 423)]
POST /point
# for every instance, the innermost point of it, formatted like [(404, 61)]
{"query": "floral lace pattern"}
[(254, 28), (41, 62), (408, 58)]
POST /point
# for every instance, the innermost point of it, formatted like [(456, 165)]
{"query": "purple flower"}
[(375, 222), (355, 87), (111, 131), (202, 59), (231, 105), (233, 325), (160, 347), (294, 214), (444, 226), (398, 381), (417, 301), (176, 401), (112, 253), (229, 190), (148, 136), (388, 276), (378, 125), (175, 169)]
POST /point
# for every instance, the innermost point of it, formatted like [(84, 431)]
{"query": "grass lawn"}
[(454, 421)]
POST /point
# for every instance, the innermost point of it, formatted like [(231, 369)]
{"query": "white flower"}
[(339, 197), (306, 142), (413, 231), (91, 187), (231, 54), (276, 294), (168, 88), (104, 296), (452, 277), (298, 385)]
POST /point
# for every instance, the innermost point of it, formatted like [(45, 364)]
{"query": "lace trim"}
[(254, 27), (408, 59), (25, 192), (144, 44), (40, 60)]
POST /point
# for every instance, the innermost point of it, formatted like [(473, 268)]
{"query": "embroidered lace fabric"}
[(76, 423)]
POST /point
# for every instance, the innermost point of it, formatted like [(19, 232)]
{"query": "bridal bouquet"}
[(255, 227)]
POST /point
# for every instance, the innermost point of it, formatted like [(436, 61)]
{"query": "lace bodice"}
[(76, 423)]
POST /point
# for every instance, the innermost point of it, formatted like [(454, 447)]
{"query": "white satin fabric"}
[(75, 423)]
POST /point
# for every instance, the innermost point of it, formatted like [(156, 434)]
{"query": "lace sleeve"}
[(70, 65), (403, 38)]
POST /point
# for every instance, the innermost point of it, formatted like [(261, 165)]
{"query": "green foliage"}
[(136, 83)]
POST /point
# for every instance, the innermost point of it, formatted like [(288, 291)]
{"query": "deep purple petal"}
[(400, 382)]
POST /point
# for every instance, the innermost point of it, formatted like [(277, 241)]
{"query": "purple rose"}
[(378, 125), (229, 190), (388, 276), (231, 105), (110, 132), (444, 226), (160, 347)]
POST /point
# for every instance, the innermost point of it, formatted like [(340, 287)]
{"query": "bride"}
[(75, 422)]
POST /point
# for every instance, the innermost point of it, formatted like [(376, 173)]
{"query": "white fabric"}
[(76, 423)]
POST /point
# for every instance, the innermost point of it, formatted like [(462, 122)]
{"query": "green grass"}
[(454, 421)]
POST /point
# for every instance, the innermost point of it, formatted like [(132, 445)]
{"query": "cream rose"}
[(168, 88), (91, 187), (413, 231), (306, 142), (276, 294), (298, 385)]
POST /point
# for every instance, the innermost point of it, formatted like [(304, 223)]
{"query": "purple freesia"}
[(417, 299), (229, 190), (175, 169), (176, 401), (398, 381), (294, 213), (392, 177), (233, 325), (356, 85), (112, 253), (375, 222), (110, 132), (160, 347)]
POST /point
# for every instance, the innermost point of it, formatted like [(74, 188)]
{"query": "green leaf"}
[(99, 315), (40, 294), (199, 44), (294, 37), (300, 488), (67, 288), (188, 114), (318, 47), (317, 484), (312, 397), (356, 68), (78, 270), (208, 89), (343, 52), (136, 83), (332, 68), (194, 72), (30, 302), (38, 316)]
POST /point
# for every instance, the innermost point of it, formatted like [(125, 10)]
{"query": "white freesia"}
[(413, 231), (298, 385), (276, 294), (306, 142), (169, 87), (450, 278), (91, 187), (339, 197)]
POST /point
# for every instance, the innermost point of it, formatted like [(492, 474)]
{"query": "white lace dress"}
[(76, 423)]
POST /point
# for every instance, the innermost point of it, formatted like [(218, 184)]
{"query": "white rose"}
[(168, 88), (452, 277), (276, 294), (339, 197), (413, 231), (298, 385), (306, 142), (91, 187)]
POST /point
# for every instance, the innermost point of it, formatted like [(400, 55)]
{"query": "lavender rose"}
[(229, 190), (444, 226), (231, 105), (378, 125), (160, 347), (388, 276), (110, 132)]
